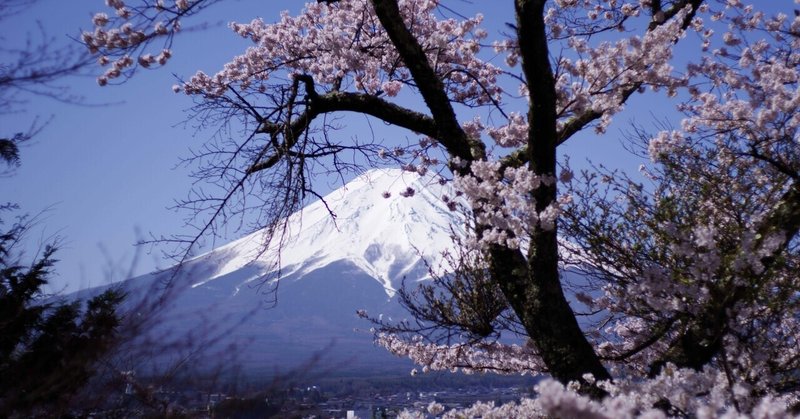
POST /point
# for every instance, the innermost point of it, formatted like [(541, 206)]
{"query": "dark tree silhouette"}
[(47, 347)]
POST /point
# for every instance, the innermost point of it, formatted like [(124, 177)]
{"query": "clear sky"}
[(105, 170)]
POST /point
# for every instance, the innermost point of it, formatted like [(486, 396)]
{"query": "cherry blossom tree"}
[(691, 290)]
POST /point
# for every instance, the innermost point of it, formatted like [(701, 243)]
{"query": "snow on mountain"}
[(387, 238), (331, 267)]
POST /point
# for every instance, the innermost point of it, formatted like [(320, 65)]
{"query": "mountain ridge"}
[(369, 230), (330, 269)]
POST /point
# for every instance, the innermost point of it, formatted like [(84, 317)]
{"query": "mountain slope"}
[(330, 268), (384, 237)]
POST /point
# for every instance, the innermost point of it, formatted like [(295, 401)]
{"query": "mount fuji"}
[(386, 238), (330, 267)]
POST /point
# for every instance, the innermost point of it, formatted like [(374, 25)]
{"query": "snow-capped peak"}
[(386, 237)]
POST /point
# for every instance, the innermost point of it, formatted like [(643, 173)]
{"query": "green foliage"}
[(48, 348)]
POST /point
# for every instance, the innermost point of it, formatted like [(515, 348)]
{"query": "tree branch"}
[(343, 102), (538, 297), (430, 85), (660, 17)]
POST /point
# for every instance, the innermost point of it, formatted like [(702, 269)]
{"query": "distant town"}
[(331, 397)]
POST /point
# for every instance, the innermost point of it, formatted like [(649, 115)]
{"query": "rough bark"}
[(531, 285), (538, 297)]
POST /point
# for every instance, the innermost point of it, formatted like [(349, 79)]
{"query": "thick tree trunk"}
[(536, 295), (533, 290), (531, 284)]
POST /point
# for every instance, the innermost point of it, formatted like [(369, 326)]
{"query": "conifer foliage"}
[(48, 348)]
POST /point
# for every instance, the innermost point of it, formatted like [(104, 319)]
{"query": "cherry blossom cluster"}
[(699, 259), (121, 39), (705, 395), (597, 79), (468, 358), (501, 201), (739, 137), (746, 92), (512, 134), (344, 44), (419, 158)]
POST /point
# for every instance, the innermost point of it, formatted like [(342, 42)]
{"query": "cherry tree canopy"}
[(692, 290)]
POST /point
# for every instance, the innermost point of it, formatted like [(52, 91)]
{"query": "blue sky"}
[(105, 171)]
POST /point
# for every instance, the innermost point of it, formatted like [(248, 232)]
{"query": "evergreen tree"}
[(48, 348)]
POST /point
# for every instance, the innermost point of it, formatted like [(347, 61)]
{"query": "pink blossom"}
[(391, 88), (100, 19)]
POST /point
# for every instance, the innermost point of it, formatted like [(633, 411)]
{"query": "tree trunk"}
[(535, 292)]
